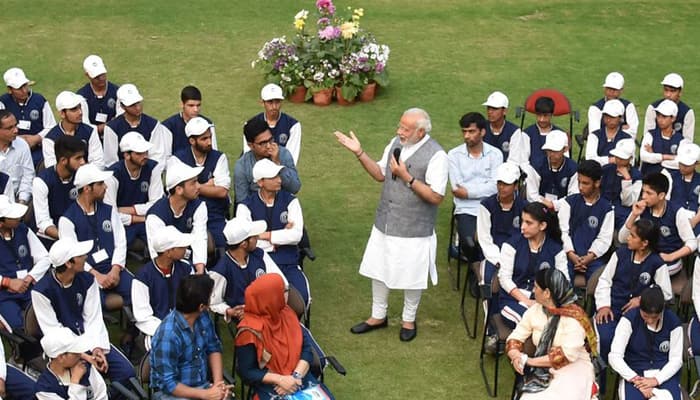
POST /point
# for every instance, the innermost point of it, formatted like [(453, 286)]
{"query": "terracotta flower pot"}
[(342, 100), (299, 95), (368, 92), (323, 97)]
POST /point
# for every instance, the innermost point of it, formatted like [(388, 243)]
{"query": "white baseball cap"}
[(614, 80), (133, 141), (614, 108), (196, 126), (508, 172), (178, 171), (556, 140), (624, 149), (61, 341), (67, 100), (15, 78), (271, 92), (66, 248), (128, 94), (170, 237), (496, 100), (667, 108), (265, 168), (90, 173), (673, 80), (687, 153), (240, 229), (94, 66), (9, 209)]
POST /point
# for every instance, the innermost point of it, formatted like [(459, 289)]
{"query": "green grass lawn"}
[(446, 56)]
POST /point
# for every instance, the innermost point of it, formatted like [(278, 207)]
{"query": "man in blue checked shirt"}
[(185, 347)]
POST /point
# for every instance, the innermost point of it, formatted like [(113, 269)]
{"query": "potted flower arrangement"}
[(321, 79), (280, 64), (372, 59), (329, 49)]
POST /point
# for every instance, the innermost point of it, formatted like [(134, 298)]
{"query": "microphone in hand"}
[(397, 155)]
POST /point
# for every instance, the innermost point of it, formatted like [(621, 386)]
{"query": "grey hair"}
[(423, 122)]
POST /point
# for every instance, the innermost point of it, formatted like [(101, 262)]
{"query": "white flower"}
[(301, 14), (318, 76)]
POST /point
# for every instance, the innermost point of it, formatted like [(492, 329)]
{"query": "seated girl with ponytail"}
[(538, 246)]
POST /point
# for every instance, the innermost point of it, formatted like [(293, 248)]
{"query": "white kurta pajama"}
[(399, 262)]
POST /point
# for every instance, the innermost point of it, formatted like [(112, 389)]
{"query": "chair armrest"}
[(17, 337), (336, 365), (128, 394), (140, 392)]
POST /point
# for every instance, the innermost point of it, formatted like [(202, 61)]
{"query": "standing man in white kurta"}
[(401, 250)]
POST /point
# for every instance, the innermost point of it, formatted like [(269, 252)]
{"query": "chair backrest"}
[(296, 302), (113, 301), (562, 105), (495, 284), (593, 281), (31, 324), (686, 297), (319, 363), (145, 369)]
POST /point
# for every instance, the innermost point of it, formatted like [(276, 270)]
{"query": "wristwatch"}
[(410, 183), (296, 375)]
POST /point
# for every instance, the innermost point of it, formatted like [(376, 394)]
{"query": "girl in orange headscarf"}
[(272, 352)]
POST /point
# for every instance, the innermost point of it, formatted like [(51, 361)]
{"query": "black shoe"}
[(406, 335), (364, 327)]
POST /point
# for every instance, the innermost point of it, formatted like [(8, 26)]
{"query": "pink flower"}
[(326, 5), (323, 21), (329, 32)]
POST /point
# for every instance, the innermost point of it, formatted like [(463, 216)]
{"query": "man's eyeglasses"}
[(264, 142)]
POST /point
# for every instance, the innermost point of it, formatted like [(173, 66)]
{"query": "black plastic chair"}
[(502, 331), (591, 284), (581, 139), (454, 252), (482, 293)]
